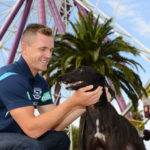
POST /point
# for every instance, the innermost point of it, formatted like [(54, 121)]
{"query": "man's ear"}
[(23, 47)]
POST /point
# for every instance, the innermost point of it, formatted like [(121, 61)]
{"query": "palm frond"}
[(87, 46)]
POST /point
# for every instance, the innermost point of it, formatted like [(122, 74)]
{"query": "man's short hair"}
[(36, 28)]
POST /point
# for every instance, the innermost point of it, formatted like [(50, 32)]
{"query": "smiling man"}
[(40, 45), (22, 90)]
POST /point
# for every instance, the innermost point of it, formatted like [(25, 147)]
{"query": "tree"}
[(87, 46), (75, 133)]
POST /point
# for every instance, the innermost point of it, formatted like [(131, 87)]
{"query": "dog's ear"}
[(101, 79)]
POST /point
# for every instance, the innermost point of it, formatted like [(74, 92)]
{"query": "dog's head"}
[(83, 76)]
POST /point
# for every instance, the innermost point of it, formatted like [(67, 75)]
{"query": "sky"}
[(133, 16)]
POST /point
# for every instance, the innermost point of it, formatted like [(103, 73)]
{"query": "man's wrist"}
[(72, 102)]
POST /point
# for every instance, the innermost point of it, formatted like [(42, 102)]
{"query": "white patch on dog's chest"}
[(129, 147), (98, 134)]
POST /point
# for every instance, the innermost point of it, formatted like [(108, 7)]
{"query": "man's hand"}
[(83, 98), (108, 95)]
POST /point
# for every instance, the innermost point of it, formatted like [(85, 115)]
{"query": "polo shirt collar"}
[(25, 68)]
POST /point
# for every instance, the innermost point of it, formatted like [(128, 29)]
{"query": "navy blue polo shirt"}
[(19, 88)]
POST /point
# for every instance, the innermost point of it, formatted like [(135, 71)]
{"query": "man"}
[(22, 89)]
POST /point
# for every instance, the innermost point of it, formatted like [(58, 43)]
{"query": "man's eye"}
[(42, 49)]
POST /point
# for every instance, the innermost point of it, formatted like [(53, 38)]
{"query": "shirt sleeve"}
[(46, 97), (13, 92)]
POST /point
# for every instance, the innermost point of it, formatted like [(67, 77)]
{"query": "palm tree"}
[(87, 46)]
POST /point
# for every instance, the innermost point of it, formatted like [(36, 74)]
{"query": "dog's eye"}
[(81, 70)]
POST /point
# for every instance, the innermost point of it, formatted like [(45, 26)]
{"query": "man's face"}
[(38, 52)]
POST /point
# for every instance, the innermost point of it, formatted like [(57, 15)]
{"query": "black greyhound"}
[(104, 128)]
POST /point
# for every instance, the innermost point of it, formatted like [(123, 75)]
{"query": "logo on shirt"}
[(37, 93), (28, 94), (46, 96)]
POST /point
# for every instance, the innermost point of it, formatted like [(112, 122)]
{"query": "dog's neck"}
[(103, 99)]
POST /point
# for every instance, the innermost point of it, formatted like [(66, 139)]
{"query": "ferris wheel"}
[(15, 15)]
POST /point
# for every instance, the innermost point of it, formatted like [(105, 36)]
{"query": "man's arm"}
[(68, 118), (35, 126)]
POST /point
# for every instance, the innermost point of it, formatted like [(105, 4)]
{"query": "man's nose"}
[(48, 54)]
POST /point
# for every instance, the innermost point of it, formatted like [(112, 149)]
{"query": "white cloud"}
[(125, 8), (131, 12), (142, 26)]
